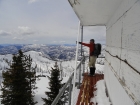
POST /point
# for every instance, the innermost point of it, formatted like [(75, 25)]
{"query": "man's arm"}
[(85, 44)]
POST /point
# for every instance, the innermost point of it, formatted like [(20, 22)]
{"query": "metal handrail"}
[(62, 90), (65, 86)]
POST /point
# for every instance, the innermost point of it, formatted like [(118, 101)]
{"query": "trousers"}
[(92, 61)]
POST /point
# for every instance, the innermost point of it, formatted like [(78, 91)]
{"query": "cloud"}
[(24, 30), (16, 38), (98, 33), (62, 41), (4, 33), (59, 41), (35, 40), (32, 1)]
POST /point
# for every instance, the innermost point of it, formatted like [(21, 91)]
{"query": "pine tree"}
[(31, 77), (19, 82), (55, 86)]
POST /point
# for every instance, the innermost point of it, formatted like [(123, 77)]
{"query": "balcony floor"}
[(87, 89)]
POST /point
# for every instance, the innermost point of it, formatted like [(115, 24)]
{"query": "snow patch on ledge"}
[(100, 94)]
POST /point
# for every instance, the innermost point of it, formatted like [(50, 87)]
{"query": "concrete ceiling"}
[(94, 12)]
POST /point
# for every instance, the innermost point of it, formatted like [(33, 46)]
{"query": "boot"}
[(92, 71)]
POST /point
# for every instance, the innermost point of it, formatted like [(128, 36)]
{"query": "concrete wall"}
[(122, 66)]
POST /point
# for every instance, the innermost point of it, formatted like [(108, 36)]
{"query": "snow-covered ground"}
[(42, 84), (100, 96)]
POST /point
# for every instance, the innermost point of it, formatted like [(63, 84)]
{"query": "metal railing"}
[(68, 85)]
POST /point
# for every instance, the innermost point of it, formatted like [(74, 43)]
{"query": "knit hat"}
[(92, 40)]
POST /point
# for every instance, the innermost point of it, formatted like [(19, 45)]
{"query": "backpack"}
[(97, 49)]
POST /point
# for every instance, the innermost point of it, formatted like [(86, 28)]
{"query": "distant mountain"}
[(1, 46), (55, 52), (9, 49)]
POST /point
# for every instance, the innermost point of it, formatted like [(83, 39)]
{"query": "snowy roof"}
[(94, 12)]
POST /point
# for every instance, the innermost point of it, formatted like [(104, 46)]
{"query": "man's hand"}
[(78, 42)]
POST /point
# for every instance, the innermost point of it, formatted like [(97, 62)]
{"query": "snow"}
[(99, 69), (42, 84), (100, 96), (38, 58), (76, 93)]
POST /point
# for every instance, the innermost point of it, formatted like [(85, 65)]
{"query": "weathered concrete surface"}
[(123, 63)]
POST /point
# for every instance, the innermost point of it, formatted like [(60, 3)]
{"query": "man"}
[(92, 58)]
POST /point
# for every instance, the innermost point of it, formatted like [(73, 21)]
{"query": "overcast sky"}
[(42, 22)]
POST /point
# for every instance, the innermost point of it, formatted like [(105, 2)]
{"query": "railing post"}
[(79, 84), (82, 53), (70, 87), (75, 64), (81, 40), (83, 63)]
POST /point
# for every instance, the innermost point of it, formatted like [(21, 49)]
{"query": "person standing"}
[(92, 57)]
